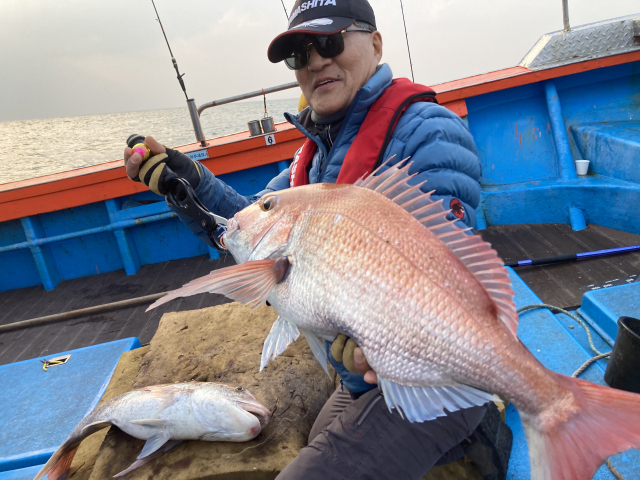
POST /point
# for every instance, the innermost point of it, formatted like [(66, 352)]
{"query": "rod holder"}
[(195, 120)]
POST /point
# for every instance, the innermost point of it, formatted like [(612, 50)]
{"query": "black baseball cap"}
[(319, 17)]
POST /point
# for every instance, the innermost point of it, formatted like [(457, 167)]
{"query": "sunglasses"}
[(327, 46)]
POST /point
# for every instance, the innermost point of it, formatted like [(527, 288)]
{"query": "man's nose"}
[(316, 61)]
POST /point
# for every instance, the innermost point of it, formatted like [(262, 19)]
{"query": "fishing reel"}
[(182, 197)]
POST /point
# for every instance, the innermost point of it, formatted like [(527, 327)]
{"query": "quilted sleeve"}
[(443, 152), (277, 183)]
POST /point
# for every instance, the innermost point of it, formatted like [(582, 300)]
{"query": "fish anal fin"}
[(138, 463), (248, 283), (317, 348), (154, 443), (419, 404), (282, 334), (477, 255)]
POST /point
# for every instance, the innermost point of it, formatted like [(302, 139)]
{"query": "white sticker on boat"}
[(270, 140), (199, 155)]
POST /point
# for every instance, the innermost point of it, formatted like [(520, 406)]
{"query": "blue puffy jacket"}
[(438, 141)]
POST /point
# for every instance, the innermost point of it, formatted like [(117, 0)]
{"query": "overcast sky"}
[(78, 57)]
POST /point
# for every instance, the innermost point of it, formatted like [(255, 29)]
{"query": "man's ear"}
[(377, 45)]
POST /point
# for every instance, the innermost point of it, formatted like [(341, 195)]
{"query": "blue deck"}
[(602, 308), (26, 473), (39, 409)]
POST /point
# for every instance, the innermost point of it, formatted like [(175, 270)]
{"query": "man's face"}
[(345, 73)]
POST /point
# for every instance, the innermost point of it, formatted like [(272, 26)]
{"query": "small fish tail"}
[(570, 440), (57, 468)]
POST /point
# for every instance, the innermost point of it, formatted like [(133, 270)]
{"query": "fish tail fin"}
[(57, 468), (570, 440)]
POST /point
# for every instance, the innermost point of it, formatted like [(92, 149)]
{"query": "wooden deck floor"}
[(32, 302), (562, 284), (559, 285)]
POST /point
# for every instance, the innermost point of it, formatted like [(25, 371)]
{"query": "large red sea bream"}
[(430, 305)]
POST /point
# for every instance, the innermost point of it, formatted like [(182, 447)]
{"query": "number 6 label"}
[(270, 140)]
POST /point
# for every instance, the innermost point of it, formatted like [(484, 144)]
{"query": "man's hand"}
[(132, 160), (363, 367), (162, 168), (345, 350)]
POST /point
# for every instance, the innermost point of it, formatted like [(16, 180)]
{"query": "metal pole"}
[(195, 120), (244, 96), (107, 307), (565, 15)]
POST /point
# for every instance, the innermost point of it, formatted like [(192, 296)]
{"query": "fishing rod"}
[(573, 257), (191, 103), (173, 59)]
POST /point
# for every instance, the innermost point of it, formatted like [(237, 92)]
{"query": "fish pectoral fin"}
[(282, 334), (248, 283), (149, 422), (419, 404), (153, 443), (317, 348), (211, 436), (94, 427), (138, 463)]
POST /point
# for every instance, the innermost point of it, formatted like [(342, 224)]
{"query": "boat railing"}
[(195, 113), (565, 15)]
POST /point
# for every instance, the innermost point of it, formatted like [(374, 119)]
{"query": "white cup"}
[(582, 166)]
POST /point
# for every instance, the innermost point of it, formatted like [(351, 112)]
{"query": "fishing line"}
[(407, 37), (173, 60), (285, 9)]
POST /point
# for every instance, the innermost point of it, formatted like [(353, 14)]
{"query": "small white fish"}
[(164, 416)]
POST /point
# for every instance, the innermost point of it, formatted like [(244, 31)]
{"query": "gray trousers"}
[(361, 440)]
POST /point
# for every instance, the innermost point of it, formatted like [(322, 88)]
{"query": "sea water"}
[(33, 148)]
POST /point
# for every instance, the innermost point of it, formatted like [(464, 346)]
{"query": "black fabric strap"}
[(419, 97)]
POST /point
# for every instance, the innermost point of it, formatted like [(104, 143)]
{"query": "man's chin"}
[(327, 106)]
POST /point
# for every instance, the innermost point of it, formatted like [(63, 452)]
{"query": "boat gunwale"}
[(108, 180)]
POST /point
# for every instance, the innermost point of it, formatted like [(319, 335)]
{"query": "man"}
[(356, 111)]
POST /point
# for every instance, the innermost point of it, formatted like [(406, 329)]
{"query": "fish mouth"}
[(232, 226), (256, 408)]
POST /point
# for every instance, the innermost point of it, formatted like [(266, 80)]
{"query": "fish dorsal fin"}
[(476, 254), (94, 427)]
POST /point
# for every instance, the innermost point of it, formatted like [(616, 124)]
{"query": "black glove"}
[(159, 171)]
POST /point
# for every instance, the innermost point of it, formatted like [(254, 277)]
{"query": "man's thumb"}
[(155, 146)]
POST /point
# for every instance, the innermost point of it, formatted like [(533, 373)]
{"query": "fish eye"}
[(268, 204), (239, 389)]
